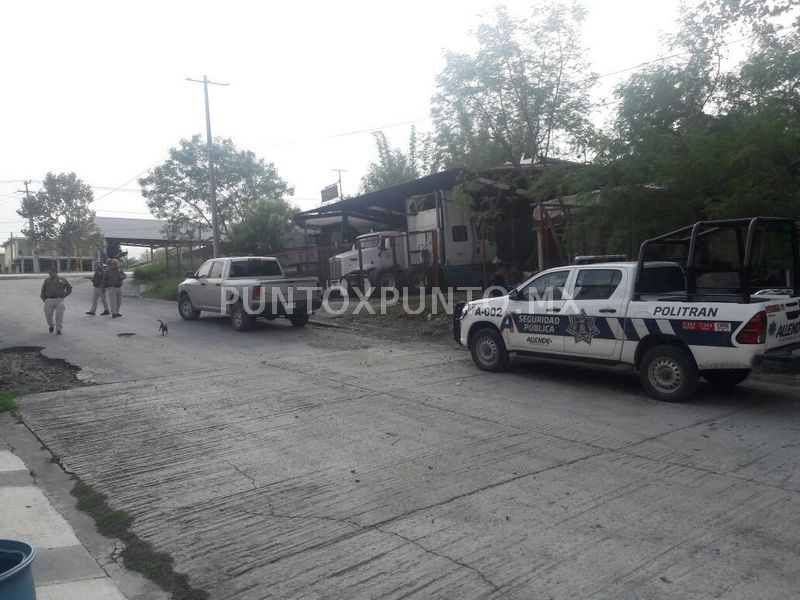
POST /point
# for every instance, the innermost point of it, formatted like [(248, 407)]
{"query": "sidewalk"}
[(63, 569)]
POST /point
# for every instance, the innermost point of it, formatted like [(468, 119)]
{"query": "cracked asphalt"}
[(321, 463)]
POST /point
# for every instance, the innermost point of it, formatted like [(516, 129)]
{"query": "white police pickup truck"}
[(673, 320)]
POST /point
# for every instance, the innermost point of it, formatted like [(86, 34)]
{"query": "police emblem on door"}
[(582, 327)]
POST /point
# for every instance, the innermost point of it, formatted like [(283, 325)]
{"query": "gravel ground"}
[(26, 370)]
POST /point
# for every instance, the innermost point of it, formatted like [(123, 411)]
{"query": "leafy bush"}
[(152, 272), (163, 289)]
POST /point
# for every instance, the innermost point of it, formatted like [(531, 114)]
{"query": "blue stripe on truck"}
[(695, 332)]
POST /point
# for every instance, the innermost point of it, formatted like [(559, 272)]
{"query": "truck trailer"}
[(442, 245)]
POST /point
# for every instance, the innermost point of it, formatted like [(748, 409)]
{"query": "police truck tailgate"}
[(783, 322)]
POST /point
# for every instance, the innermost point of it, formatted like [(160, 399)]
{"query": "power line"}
[(119, 187)]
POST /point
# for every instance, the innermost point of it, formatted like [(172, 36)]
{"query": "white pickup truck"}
[(670, 322), (247, 287)]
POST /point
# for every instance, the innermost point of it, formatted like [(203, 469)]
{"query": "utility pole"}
[(341, 196), (212, 184), (33, 240)]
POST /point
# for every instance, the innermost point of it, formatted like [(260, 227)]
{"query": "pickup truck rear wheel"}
[(726, 378), (488, 350), (241, 320), (668, 373), (186, 308), (299, 319)]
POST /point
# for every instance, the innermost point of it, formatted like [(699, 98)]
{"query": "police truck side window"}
[(597, 284), (546, 287), (205, 269)]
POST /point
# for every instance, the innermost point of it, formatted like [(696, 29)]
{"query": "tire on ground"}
[(418, 278), (186, 309), (488, 350), (383, 278), (726, 378), (299, 319), (668, 373), (241, 320)]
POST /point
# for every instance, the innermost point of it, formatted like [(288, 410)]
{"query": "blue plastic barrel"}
[(16, 578)]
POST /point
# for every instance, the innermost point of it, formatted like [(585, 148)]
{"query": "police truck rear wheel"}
[(186, 309), (668, 374), (488, 350), (726, 378)]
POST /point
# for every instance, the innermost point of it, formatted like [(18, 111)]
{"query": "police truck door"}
[(594, 318), (534, 320)]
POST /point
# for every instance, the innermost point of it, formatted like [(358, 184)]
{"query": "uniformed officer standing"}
[(54, 290), (113, 282), (99, 290)]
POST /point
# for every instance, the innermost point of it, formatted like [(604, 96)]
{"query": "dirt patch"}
[(394, 322), (26, 371)]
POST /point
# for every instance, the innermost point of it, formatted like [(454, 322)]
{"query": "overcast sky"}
[(99, 87)]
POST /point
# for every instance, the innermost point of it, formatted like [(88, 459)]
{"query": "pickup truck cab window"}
[(205, 269), (255, 268), (216, 269), (597, 284), (545, 287)]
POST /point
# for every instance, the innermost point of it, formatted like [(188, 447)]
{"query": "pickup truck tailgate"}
[(783, 322)]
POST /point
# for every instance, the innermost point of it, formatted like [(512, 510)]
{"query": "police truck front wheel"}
[(726, 378), (668, 373), (488, 350)]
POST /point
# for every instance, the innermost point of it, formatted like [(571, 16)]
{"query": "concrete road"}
[(317, 463)]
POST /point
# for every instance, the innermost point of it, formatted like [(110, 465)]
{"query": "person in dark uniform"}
[(54, 290), (113, 281), (99, 290)]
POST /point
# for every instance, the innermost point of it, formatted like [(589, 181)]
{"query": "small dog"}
[(163, 328)]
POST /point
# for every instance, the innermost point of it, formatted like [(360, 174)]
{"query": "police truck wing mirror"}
[(514, 295), (190, 274)]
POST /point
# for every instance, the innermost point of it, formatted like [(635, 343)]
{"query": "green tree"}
[(70, 220), (524, 94), (394, 166), (695, 138), (40, 223), (177, 189), (266, 226)]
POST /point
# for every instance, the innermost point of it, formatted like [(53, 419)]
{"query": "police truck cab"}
[(712, 300)]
